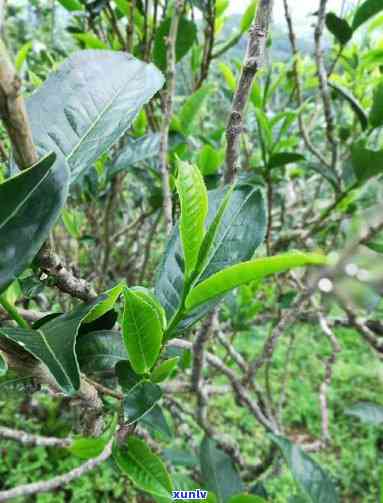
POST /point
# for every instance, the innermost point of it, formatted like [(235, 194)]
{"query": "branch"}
[(33, 440), (168, 112), (57, 482), (253, 62)]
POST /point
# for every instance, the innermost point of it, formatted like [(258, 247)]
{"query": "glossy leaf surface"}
[(144, 468), (239, 274), (100, 351), (82, 109), (54, 345), (140, 400), (310, 477), (40, 192), (142, 331)]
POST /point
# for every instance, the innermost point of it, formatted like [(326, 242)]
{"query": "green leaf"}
[(365, 11), (142, 331), (22, 55), (310, 477), (144, 468), (91, 447), (376, 112), (139, 400), (221, 6), (155, 420), (370, 413), (135, 151), (100, 351), (376, 244), (366, 163), (228, 75), (110, 298), (241, 231), (249, 16), (210, 160), (3, 365), (190, 110), (30, 204), (246, 498), (194, 207), (218, 471), (240, 274), (151, 299), (83, 108), (54, 345), (355, 105), (72, 220), (186, 36), (282, 158), (71, 5), (164, 370), (90, 41), (339, 27), (126, 376)]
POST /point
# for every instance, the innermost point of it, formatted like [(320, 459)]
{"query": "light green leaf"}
[(228, 75), (91, 447), (90, 41), (40, 191), (218, 471), (110, 298), (239, 274), (210, 160), (366, 163), (370, 413), (221, 6), (142, 332), (151, 299), (54, 345), (366, 11), (164, 370), (190, 110), (376, 112), (22, 55), (194, 207), (82, 109), (139, 400), (3, 365), (144, 468), (249, 16), (71, 5), (310, 477), (339, 28), (72, 220)]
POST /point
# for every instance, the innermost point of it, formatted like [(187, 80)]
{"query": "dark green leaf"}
[(186, 36), (100, 351), (218, 471), (142, 331), (155, 420), (310, 477), (241, 231), (144, 468), (242, 273), (283, 158), (376, 244), (126, 376), (339, 27), (355, 105), (164, 370), (30, 204), (54, 345), (376, 112), (135, 151), (180, 457), (370, 413), (83, 108), (365, 11), (140, 400), (366, 163)]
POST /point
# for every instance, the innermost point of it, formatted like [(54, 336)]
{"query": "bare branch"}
[(33, 440)]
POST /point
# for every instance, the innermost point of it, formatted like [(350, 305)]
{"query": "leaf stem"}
[(13, 313)]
